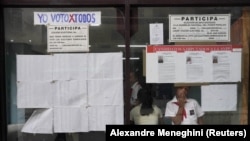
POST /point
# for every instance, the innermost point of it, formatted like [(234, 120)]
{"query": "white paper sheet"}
[(221, 66), (167, 66), (70, 66), (72, 90), (70, 119), (152, 68), (156, 33), (39, 122), (100, 92), (100, 116), (193, 63), (235, 66), (70, 93), (195, 69), (182, 28), (35, 94), (68, 38), (105, 66), (34, 68), (219, 97)]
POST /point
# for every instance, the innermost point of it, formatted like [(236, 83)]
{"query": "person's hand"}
[(181, 100), (181, 97)]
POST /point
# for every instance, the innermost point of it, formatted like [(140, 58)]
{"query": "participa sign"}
[(68, 38), (199, 28)]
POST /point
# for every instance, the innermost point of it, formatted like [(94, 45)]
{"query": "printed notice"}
[(221, 65), (167, 66), (156, 34), (68, 38), (193, 63), (199, 28)]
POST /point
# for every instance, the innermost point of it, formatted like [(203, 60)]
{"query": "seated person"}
[(145, 113)]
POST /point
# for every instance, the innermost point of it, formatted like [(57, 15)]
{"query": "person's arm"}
[(178, 117), (160, 121), (131, 117), (131, 122), (160, 117), (172, 116), (200, 120)]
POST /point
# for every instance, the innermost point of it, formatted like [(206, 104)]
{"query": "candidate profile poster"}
[(68, 38), (193, 63)]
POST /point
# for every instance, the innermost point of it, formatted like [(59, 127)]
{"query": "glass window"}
[(163, 92), (22, 37)]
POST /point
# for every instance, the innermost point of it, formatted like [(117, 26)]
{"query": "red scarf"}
[(184, 114)]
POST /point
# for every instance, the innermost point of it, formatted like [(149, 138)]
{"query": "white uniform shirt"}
[(151, 119), (135, 88), (192, 108)]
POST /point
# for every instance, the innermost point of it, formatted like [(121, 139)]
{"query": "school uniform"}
[(191, 113)]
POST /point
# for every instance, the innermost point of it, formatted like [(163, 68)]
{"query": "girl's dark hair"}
[(146, 100)]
